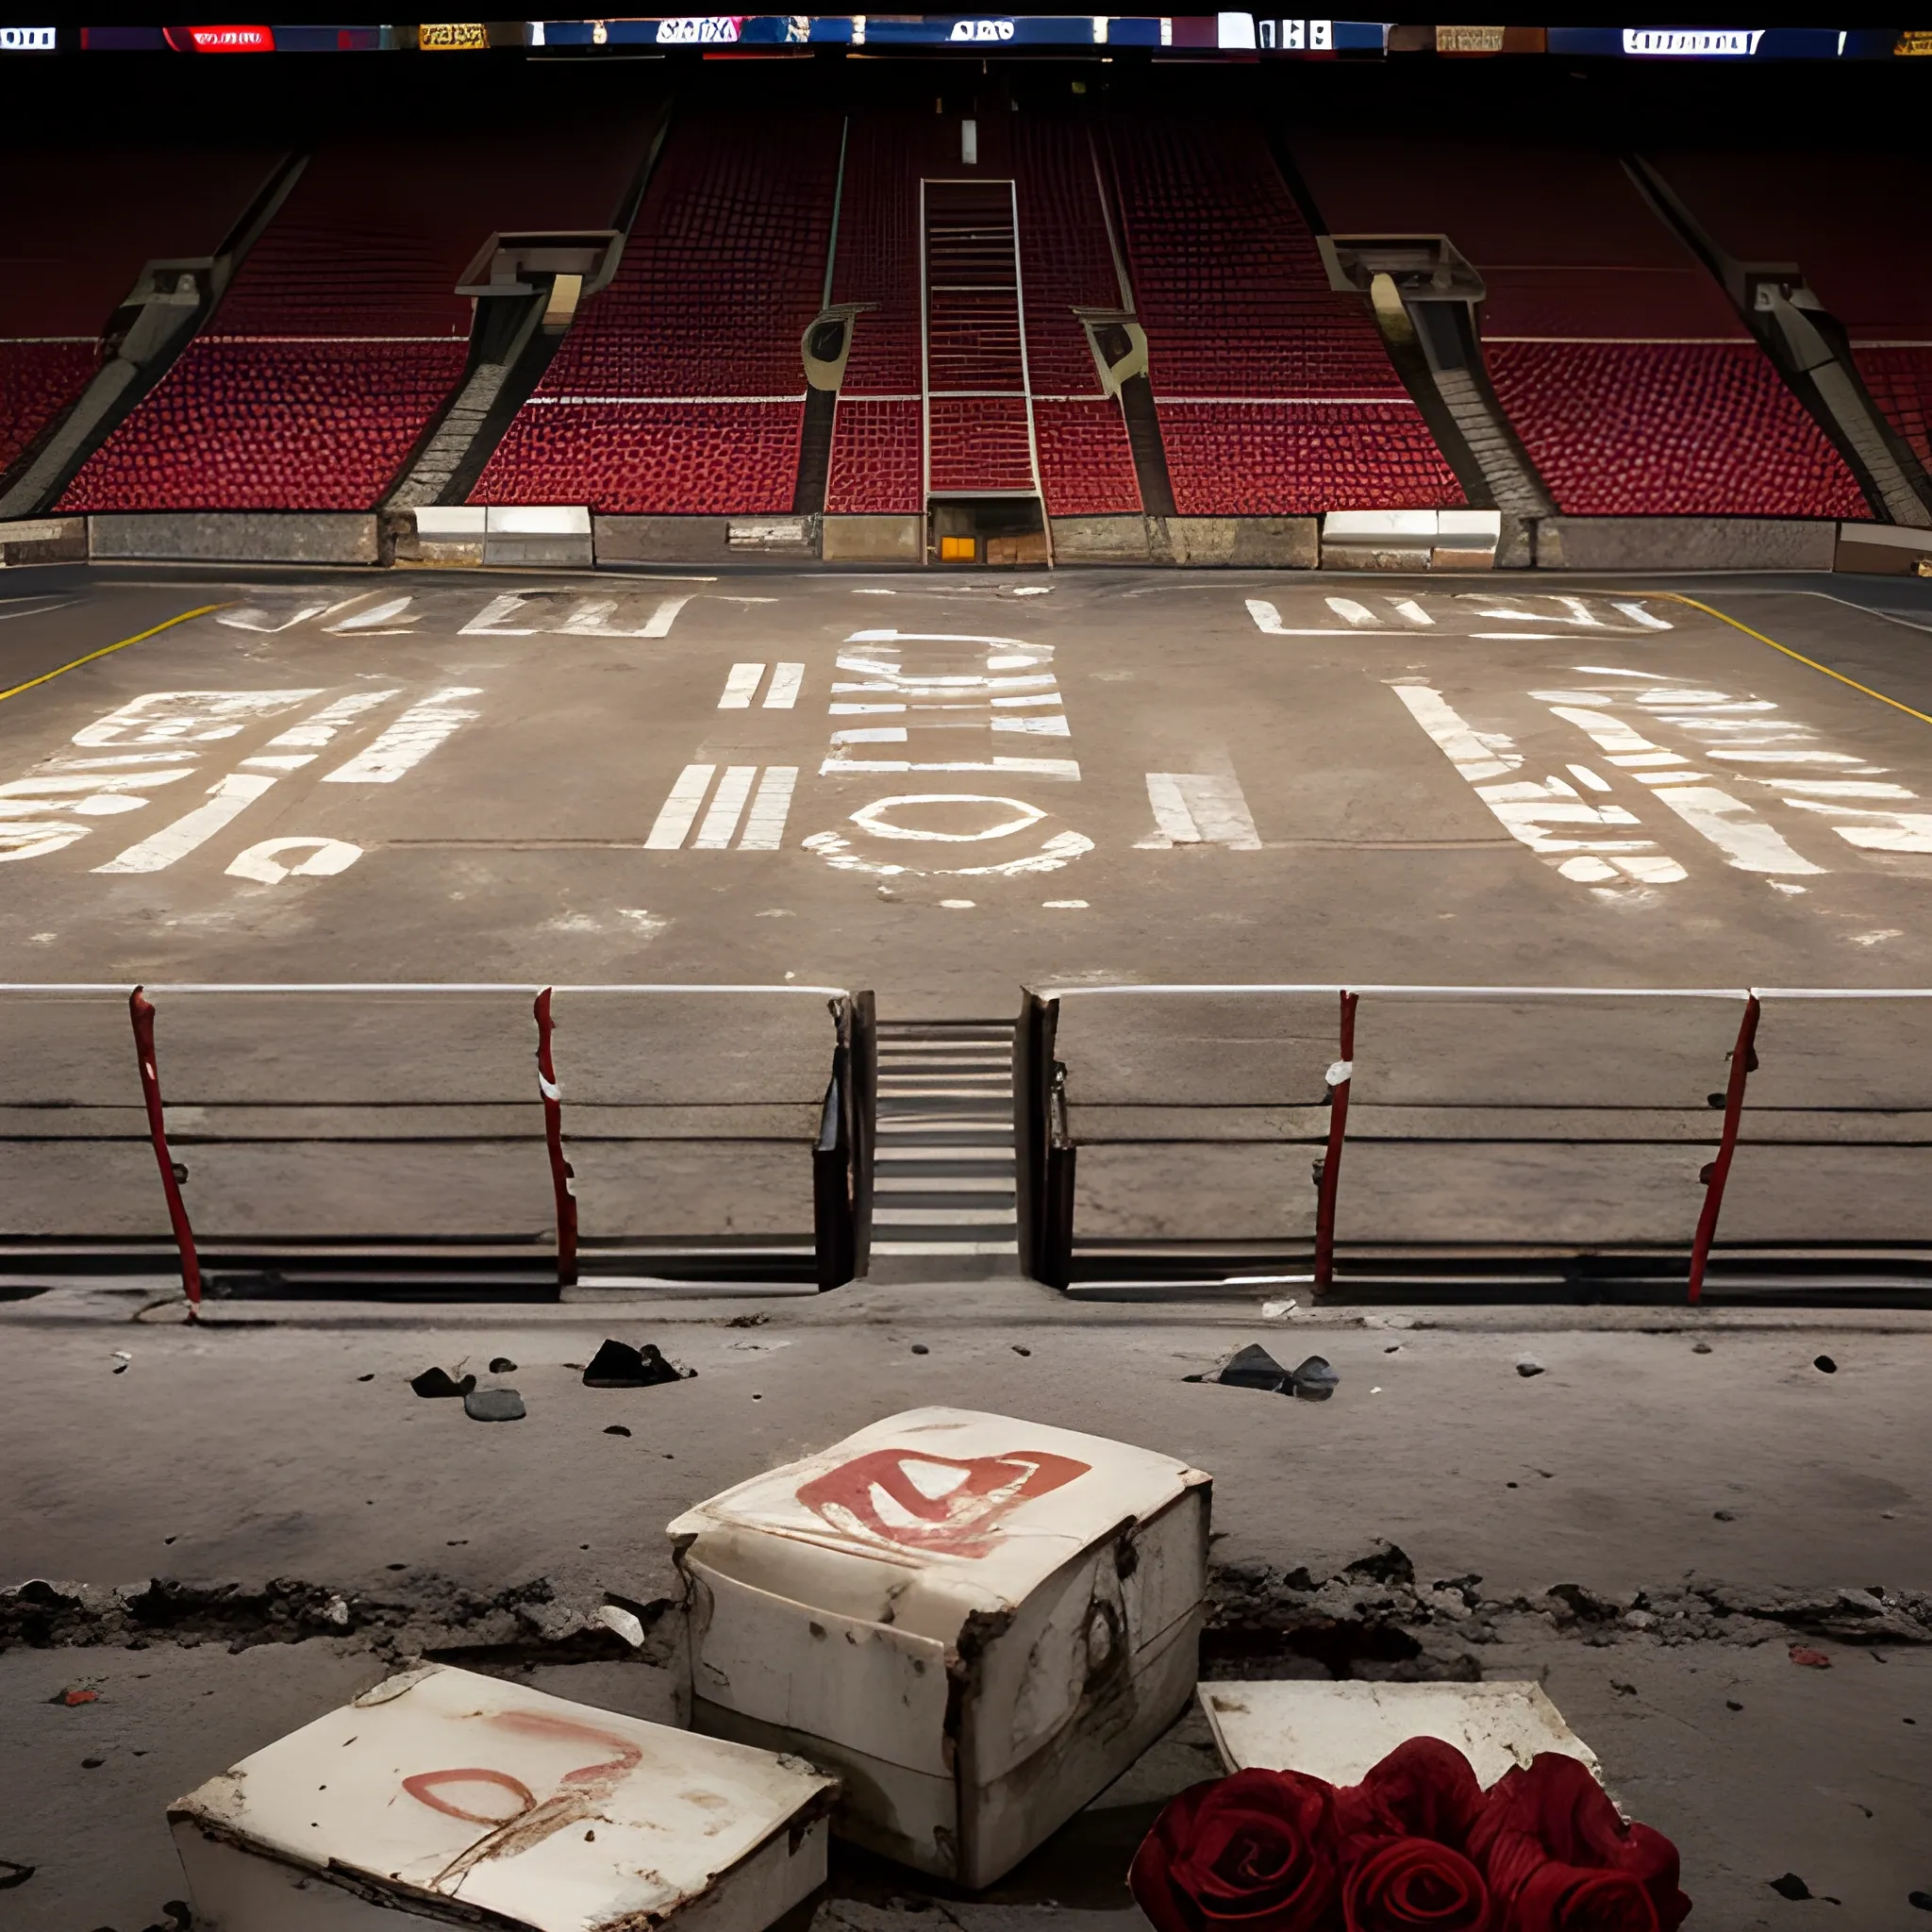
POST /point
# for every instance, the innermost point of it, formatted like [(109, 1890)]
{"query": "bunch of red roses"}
[(1416, 1845)]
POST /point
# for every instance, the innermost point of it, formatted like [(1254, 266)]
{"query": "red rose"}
[(1556, 1814), (1251, 1853), (1424, 1788), (1415, 1885), (1572, 1898)]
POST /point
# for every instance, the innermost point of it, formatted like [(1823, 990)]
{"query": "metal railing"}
[(1606, 1083), (422, 1072)]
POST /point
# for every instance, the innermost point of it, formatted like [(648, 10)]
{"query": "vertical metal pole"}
[(862, 1105), (1743, 1064), (140, 1010), (1339, 1077), (835, 1245), (562, 1175)]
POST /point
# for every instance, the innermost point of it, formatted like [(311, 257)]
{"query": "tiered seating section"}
[(71, 249), (1275, 395), (1662, 429), (341, 334), (680, 391), (877, 465), (1086, 466), (1637, 391), (38, 382), (1634, 388), (1834, 214)]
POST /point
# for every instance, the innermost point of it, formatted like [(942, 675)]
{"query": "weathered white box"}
[(977, 1622), (1336, 1731), (444, 1797)]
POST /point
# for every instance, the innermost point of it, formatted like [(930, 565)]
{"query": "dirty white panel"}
[(1338, 1731), (979, 1621), (444, 1787)]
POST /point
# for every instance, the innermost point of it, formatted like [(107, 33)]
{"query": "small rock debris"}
[(1315, 1379), (1527, 1366), (1790, 1886), (494, 1406), (616, 1429), (618, 1365), (439, 1382), (502, 1365), (1253, 1367), (1824, 1365)]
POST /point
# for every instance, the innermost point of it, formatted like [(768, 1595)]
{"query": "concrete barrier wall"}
[(1683, 544), (780, 539), (235, 537), (43, 539), (874, 540), (1100, 539), (1882, 550), (1279, 542)]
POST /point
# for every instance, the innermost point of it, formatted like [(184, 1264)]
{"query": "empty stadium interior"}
[(1129, 704)]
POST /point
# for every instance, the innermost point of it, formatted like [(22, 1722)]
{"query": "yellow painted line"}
[(106, 650), (1677, 597)]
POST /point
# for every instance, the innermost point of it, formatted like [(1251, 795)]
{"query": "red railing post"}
[(142, 1012), (1714, 1175), (563, 1176), (1340, 1075)]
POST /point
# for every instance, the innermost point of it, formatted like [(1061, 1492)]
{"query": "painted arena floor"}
[(945, 787)]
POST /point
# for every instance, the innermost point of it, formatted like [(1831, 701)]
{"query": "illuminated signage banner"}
[(222, 40), (1725, 42), (963, 32), (1246, 35), (445, 37)]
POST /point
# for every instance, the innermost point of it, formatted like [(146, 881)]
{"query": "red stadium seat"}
[(341, 334), (39, 380), (1634, 385), (680, 391), (1275, 392)]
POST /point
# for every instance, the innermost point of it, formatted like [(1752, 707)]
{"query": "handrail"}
[(119, 987), (840, 1153), (1622, 992), (1047, 1152)]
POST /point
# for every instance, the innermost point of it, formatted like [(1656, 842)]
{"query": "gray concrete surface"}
[(1730, 1496), (519, 846), (1634, 1466)]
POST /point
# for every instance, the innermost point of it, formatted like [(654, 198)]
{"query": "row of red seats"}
[(1834, 212), (341, 334), (242, 423), (1275, 392), (679, 390), (37, 381), (1633, 383), (74, 244)]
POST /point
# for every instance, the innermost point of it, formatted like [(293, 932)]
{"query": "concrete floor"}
[(516, 843), (255, 1450)]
